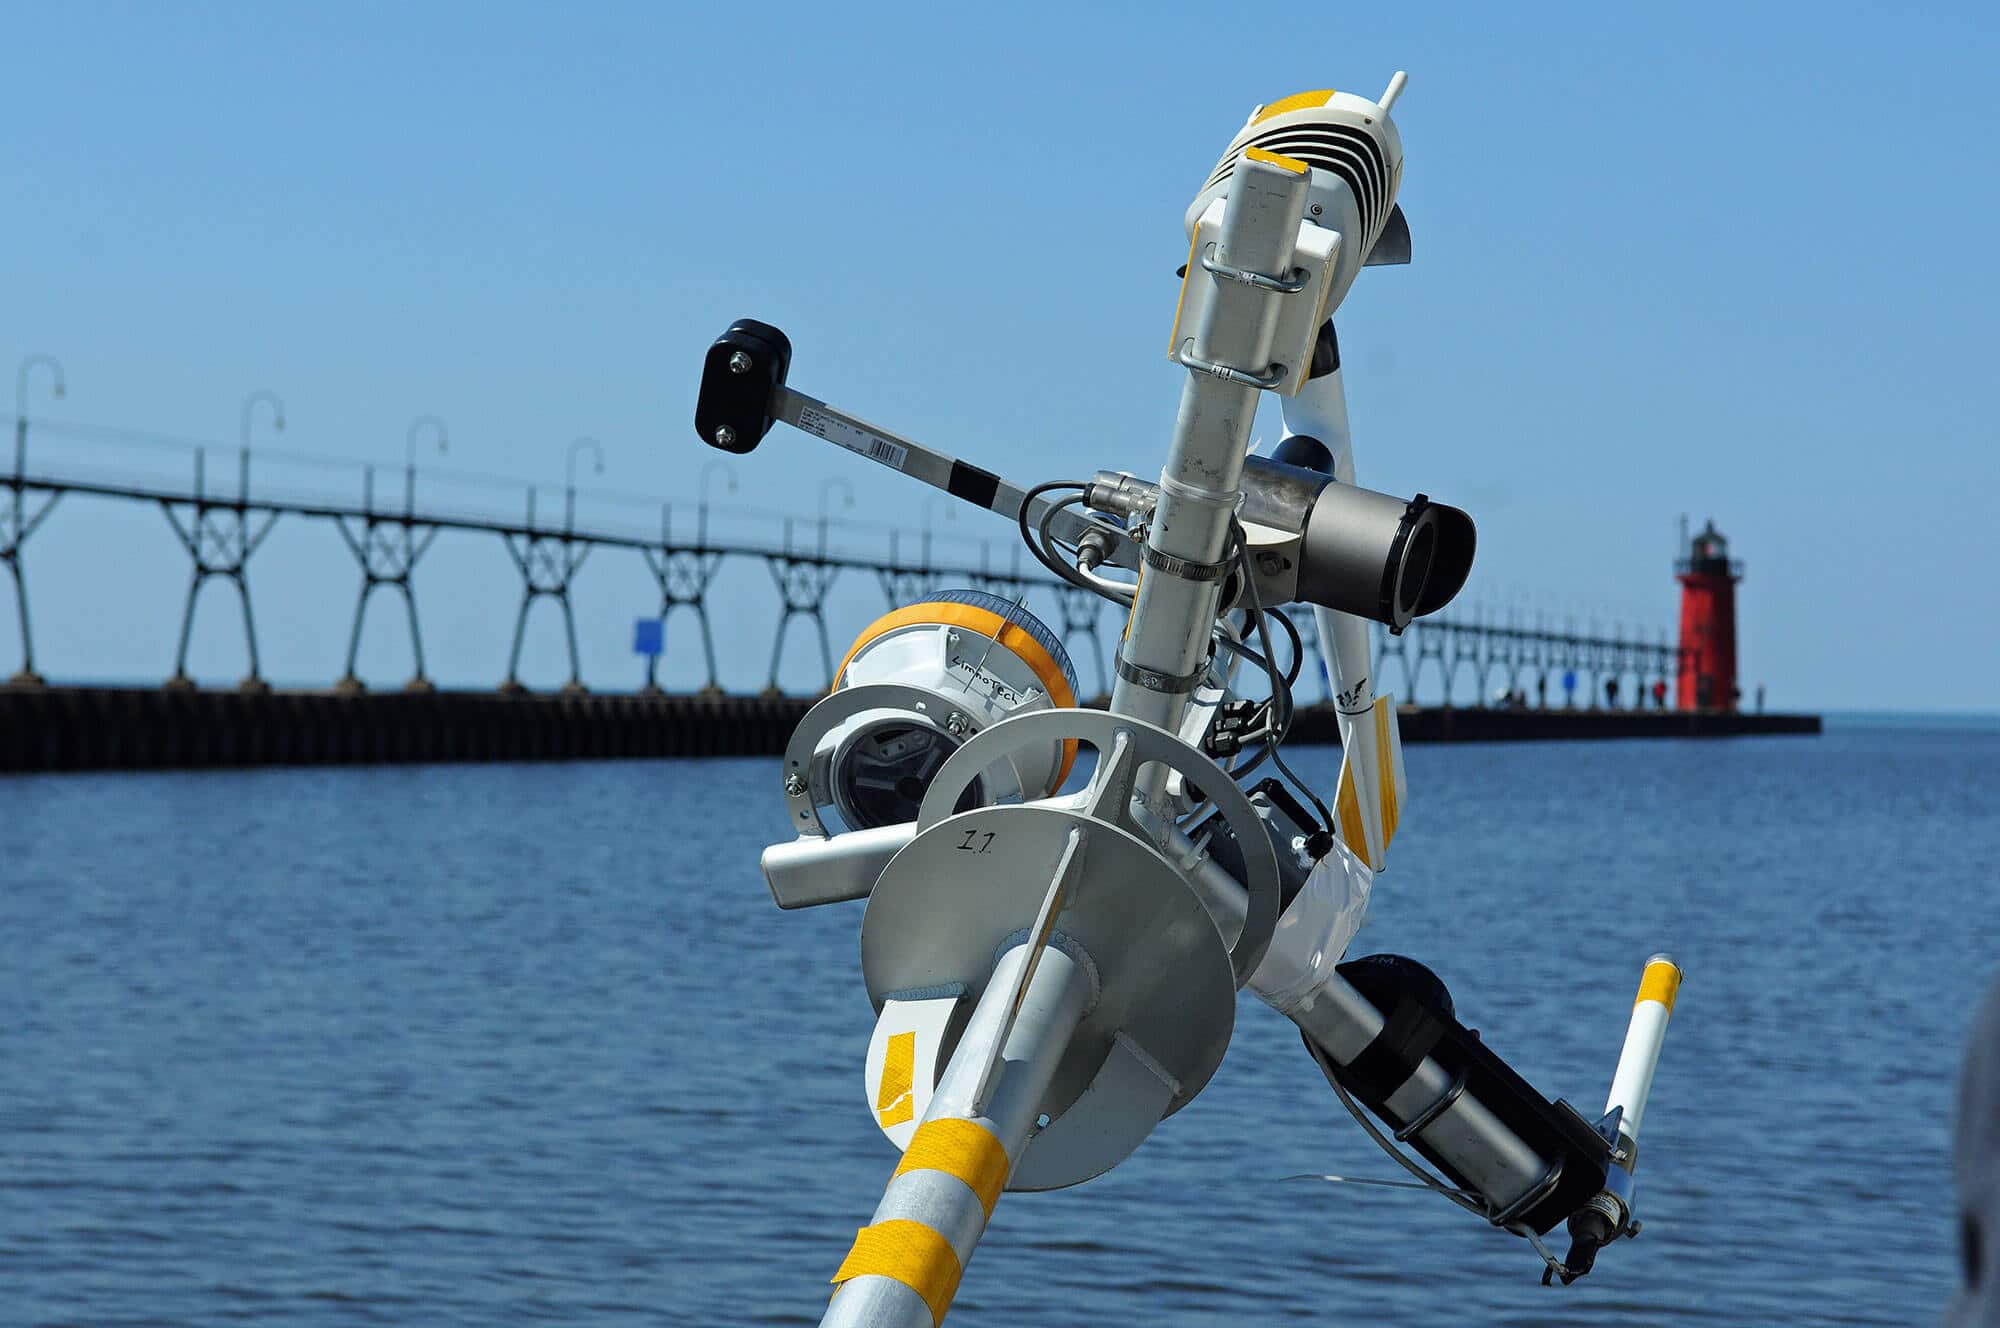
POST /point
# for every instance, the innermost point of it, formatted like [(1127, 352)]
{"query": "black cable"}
[(1067, 574), (1298, 644), (1028, 538), (1102, 585), (1280, 686)]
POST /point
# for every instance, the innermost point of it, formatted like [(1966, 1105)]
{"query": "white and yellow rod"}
[(1608, 1215), (1632, 1083)]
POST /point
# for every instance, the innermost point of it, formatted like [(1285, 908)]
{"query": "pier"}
[(107, 728), (1563, 682)]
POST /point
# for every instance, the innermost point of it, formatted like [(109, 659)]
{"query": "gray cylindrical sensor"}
[(1383, 557)]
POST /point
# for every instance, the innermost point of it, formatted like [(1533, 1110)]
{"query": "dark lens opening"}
[(888, 770), (1416, 566)]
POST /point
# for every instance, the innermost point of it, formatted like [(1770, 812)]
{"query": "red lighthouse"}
[(1708, 621)]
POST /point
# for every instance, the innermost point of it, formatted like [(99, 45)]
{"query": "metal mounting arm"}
[(743, 393)]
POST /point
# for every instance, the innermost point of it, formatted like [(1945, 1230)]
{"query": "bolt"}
[(739, 363), (794, 786), (1316, 209), (956, 723), (724, 434)]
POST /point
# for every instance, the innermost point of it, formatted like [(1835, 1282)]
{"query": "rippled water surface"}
[(483, 1044)]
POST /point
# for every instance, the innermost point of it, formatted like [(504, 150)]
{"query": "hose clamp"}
[(1184, 568), (1153, 680)]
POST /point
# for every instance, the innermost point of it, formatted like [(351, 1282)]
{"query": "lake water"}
[(476, 1045)]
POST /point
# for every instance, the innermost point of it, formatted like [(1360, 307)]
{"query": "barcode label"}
[(822, 425)]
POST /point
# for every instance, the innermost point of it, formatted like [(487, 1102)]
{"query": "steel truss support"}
[(218, 537), (387, 548), (1430, 645), (1388, 646), (548, 564), (1565, 657), (1535, 660), (1009, 583), (1502, 652), (17, 522), (1467, 642), (684, 576), (802, 584), (904, 583)]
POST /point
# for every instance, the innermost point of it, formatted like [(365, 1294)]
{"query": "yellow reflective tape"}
[(1132, 611), (961, 1148), (1385, 768), (1174, 346), (1661, 982), (986, 623), (1298, 101), (1269, 158), (1347, 808), (910, 1253), (896, 1100)]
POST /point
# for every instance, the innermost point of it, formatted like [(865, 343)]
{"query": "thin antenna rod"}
[(1393, 91)]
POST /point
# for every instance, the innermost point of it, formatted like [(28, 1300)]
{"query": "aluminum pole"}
[(1167, 638), (904, 1266)]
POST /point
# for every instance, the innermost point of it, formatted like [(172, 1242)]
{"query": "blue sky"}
[(1732, 261)]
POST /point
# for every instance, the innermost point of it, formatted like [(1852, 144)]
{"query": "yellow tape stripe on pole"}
[(896, 1100), (961, 1148), (910, 1253), (1385, 768), (1347, 810), (1661, 982)]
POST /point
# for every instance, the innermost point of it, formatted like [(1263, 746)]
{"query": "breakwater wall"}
[(114, 728)]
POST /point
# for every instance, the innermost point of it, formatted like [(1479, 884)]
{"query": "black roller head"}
[(740, 379)]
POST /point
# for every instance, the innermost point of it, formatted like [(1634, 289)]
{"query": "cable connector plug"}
[(1225, 735)]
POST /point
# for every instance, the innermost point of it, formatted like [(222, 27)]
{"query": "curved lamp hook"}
[(269, 398), (597, 451), (28, 363), (826, 491), (728, 473), (416, 428)]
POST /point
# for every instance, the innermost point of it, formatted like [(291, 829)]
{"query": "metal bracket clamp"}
[(1422, 1120), (1149, 744), (1539, 1191), (1241, 377), (1290, 284)]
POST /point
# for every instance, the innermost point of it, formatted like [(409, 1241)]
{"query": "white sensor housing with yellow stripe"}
[(917, 683), (978, 659), (1355, 154)]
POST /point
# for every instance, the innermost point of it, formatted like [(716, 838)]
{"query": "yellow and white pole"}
[(904, 1266), (1632, 1083)]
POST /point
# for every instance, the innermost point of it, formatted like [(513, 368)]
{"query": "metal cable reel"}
[(1089, 871)]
